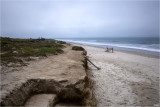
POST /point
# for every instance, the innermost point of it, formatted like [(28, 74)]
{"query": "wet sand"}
[(125, 79)]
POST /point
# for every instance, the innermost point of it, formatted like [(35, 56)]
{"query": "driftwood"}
[(92, 63)]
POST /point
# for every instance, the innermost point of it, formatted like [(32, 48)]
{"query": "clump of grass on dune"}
[(77, 48), (14, 49)]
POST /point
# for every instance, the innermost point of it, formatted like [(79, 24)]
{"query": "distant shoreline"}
[(119, 50), (147, 46)]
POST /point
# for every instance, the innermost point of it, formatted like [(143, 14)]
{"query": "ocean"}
[(146, 45)]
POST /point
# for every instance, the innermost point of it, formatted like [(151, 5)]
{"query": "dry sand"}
[(125, 79), (40, 100), (66, 68)]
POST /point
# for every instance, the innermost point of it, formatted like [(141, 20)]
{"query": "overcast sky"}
[(79, 18)]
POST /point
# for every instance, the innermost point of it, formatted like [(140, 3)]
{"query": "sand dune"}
[(48, 81)]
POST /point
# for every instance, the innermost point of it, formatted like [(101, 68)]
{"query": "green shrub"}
[(61, 42), (48, 50), (78, 48)]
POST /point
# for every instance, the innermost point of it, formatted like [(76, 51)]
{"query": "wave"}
[(138, 46)]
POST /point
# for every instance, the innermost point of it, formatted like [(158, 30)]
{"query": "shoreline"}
[(123, 51), (148, 49)]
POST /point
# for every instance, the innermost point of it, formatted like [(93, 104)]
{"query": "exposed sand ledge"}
[(64, 77)]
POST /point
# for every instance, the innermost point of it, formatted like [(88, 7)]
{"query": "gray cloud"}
[(79, 18)]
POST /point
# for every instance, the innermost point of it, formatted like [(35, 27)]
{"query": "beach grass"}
[(78, 48)]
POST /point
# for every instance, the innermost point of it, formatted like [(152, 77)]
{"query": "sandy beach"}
[(85, 53), (125, 79)]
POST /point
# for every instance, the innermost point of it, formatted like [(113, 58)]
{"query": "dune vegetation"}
[(14, 50)]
